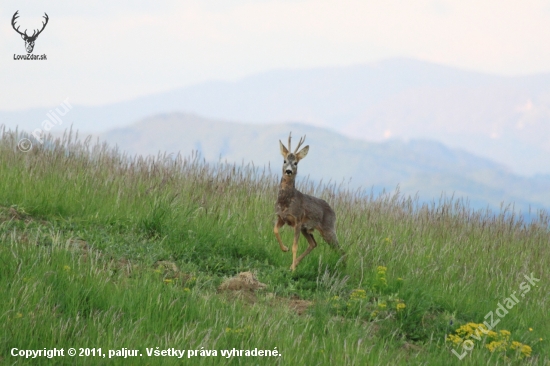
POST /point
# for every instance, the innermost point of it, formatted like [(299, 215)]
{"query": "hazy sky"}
[(102, 52)]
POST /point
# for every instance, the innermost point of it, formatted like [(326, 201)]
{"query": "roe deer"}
[(303, 212)]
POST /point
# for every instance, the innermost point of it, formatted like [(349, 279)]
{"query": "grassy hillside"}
[(422, 167), (99, 250)]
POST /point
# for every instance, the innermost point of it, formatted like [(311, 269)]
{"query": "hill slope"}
[(104, 253)]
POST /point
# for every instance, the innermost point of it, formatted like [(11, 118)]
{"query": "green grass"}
[(100, 250)]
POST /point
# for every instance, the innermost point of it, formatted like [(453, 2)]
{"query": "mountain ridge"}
[(504, 118)]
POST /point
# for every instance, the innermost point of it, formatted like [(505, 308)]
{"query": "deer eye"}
[(295, 164), (285, 161)]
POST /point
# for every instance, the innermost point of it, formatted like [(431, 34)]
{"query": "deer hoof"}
[(284, 249)]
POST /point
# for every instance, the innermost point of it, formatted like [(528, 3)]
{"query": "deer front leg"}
[(295, 246), (278, 224)]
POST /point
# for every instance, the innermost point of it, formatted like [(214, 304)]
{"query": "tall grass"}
[(84, 227)]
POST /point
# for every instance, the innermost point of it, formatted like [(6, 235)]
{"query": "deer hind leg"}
[(312, 244), (278, 224), (295, 246), (332, 240)]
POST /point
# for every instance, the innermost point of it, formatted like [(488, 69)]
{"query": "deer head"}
[(290, 166), (29, 40)]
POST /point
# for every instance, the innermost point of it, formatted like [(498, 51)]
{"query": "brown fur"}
[(303, 212)]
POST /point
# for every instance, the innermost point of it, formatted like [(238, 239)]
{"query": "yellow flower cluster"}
[(523, 348), (358, 294), (456, 339), (469, 329), (503, 345), (500, 342), (400, 306), (381, 277)]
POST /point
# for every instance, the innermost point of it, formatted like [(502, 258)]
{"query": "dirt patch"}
[(79, 246), (299, 306), (244, 286), (243, 281), (11, 214)]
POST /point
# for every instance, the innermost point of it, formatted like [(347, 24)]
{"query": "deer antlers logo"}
[(29, 40)]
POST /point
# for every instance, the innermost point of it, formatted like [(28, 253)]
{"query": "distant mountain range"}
[(422, 167), (505, 119)]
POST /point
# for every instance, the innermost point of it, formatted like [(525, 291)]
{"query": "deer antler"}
[(43, 26), (289, 138), (34, 34), (302, 140), (15, 16)]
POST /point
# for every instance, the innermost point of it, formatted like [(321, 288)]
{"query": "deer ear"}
[(284, 151), (302, 154)]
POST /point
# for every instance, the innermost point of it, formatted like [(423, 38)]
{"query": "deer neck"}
[(287, 191), (287, 183)]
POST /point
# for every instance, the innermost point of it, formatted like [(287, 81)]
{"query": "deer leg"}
[(332, 240), (312, 244), (295, 246), (278, 224)]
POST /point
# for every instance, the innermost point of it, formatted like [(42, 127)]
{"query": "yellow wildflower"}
[(358, 294), (400, 306), (455, 339), (496, 346), (526, 350), (505, 334), (523, 348)]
